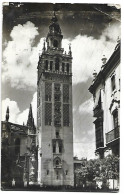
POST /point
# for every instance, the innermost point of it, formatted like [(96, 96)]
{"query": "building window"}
[(48, 98), (57, 134), (48, 113), (115, 119), (60, 148), (67, 67), (54, 148), (66, 114), (55, 43), (66, 172), (51, 65), (63, 67), (56, 87), (113, 82), (57, 122), (57, 162), (57, 64), (47, 172), (46, 65), (57, 114), (57, 108), (57, 97)]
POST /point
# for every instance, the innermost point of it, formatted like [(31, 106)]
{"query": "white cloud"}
[(16, 116), (23, 116), (85, 149), (86, 107), (13, 110), (87, 52), (21, 58), (18, 66)]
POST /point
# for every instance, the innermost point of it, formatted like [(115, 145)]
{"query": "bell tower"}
[(54, 37), (54, 111)]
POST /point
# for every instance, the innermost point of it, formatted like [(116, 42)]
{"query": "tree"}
[(98, 169)]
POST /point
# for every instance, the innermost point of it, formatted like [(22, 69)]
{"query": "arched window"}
[(54, 148), (55, 43), (113, 83), (17, 146), (67, 67), (57, 64), (51, 65), (63, 67), (60, 148), (57, 162), (46, 65)]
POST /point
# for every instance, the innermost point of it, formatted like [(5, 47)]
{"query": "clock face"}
[(55, 43)]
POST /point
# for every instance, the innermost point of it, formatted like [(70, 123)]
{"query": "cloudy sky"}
[(92, 30)]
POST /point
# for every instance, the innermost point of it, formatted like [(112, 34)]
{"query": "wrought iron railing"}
[(113, 134), (97, 111)]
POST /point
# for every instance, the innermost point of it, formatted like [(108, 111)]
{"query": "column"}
[(60, 66), (48, 65)]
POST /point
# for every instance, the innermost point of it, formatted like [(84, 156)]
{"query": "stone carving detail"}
[(48, 113), (48, 91), (57, 105), (65, 93), (65, 114)]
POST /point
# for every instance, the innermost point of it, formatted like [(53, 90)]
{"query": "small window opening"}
[(47, 172), (66, 172), (113, 82), (46, 65)]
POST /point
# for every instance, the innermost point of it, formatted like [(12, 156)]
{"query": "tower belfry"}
[(54, 111)]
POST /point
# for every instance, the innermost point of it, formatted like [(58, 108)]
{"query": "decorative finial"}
[(7, 114), (44, 47), (70, 52), (104, 59), (94, 75), (54, 18)]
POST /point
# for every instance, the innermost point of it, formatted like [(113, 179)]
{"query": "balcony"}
[(58, 166), (97, 111), (112, 135), (99, 144)]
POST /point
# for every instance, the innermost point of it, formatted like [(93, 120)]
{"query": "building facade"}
[(18, 152), (54, 111), (106, 95)]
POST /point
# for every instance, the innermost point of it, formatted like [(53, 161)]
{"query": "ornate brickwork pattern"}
[(48, 113), (48, 91), (65, 114), (65, 93)]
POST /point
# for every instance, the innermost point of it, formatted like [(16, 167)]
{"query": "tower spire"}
[(7, 114), (30, 121), (54, 18), (70, 52), (44, 47)]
